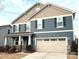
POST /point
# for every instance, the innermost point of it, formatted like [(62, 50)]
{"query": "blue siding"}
[(4, 31), (69, 35), (49, 25)]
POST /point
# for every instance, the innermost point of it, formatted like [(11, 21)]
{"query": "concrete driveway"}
[(42, 55)]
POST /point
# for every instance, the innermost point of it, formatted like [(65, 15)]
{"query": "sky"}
[(11, 9)]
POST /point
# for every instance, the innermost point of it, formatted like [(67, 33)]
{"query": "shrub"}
[(2, 48), (6, 48), (12, 49), (30, 48), (74, 47)]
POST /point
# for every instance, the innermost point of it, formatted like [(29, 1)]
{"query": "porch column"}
[(19, 43), (5, 43), (29, 40)]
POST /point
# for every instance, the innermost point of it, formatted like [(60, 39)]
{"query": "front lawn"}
[(12, 55)]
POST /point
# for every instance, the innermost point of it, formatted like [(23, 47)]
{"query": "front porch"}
[(20, 40)]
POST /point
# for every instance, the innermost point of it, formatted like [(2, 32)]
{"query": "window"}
[(22, 27), (37, 9), (14, 28), (59, 22), (46, 39), (39, 24), (39, 39), (28, 26), (53, 39), (62, 39)]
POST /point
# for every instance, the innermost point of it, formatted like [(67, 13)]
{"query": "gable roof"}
[(25, 12), (4, 26), (41, 10)]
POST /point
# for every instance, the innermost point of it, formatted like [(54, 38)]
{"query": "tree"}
[(74, 46), (1, 5)]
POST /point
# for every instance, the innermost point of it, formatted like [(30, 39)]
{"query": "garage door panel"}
[(52, 45)]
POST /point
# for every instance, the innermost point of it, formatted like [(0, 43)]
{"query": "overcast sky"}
[(11, 9)]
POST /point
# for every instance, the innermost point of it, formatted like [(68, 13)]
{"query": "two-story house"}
[(4, 30), (47, 27)]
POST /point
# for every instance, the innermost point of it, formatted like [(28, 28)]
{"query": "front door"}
[(24, 43)]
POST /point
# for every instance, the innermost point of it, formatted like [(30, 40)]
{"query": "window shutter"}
[(35, 23), (43, 23), (55, 19), (64, 21)]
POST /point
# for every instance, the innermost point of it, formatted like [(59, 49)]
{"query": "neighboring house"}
[(47, 27), (5, 29)]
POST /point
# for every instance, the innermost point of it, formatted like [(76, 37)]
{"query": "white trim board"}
[(53, 31), (51, 17)]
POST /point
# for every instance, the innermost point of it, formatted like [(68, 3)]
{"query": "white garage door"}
[(52, 45)]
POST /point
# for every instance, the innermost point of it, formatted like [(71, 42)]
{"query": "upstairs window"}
[(39, 24), (59, 22), (22, 28), (14, 28)]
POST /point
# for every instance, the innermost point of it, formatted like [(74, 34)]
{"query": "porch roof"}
[(18, 34)]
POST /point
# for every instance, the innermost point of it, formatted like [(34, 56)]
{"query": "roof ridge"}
[(38, 12), (49, 5), (57, 5), (25, 11), (52, 4)]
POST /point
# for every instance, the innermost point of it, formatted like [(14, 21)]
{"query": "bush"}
[(12, 49), (2, 48), (74, 47), (30, 48), (6, 48)]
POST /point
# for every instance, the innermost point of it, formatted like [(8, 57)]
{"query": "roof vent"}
[(37, 9)]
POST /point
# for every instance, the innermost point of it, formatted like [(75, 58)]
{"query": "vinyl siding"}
[(28, 14), (51, 11), (69, 35), (2, 38), (50, 25)]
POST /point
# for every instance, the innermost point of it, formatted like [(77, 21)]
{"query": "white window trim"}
[(41, 24), (17, 28), (21, 24), (53, 31), (29, 29), (60, 21), (51, 17)]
